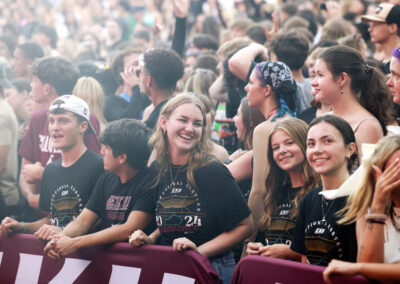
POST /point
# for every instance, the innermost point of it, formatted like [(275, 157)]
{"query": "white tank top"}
[(392, 238)]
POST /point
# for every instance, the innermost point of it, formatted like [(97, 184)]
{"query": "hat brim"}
[(372, 18), (90, 129)]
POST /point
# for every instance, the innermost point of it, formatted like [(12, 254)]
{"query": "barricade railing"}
[(22, 260), (260, 269)]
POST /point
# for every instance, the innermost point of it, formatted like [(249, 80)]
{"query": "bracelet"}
[(375, 218), (373, 221), (25, 228)]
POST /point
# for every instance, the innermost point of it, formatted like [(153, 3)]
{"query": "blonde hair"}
[(200, 155), (90, 90), (276, 178), (359, 201), (335, 29), (233, 45)]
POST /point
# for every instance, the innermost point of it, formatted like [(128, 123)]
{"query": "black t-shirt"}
[(113, 201), (151, 122), (281, 228), (308, 114), (200, 214), (64, 192), (321, 241)]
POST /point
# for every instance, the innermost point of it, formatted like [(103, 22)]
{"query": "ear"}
[(122, 159), (47, 89), (163, 122), (267, 90), (393, 28), (149, 80), (83, 127), (343, 79), (350, 149)]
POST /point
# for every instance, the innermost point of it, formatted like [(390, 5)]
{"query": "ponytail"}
[(376, 98)]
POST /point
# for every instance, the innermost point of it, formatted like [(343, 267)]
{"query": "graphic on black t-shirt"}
[(322, 243), (279, 230), (179, 209), (283, 221), (117, 206), (66, 204)]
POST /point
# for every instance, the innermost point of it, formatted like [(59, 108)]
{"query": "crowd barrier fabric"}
[(22, 261), (260, 269)]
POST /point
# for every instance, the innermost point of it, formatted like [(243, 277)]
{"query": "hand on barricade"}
[(45, 232), (339, 267), (182, 244), (253, 248), (10, 226), (62, 245), (49, 249), (276, 250), (138, 238)]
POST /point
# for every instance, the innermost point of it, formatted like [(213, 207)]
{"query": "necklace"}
[(327, 210), (273, 111), (176, 175)]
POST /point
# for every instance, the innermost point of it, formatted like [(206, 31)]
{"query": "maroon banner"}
[(22, 261), (261, 269)]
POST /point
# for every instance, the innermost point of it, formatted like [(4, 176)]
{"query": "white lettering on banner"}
[(70, 271), (29, 268), (124, 274), (177, 279)]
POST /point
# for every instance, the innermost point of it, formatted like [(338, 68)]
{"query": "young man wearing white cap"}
[(52, 77), (68, 182), (385, 29)]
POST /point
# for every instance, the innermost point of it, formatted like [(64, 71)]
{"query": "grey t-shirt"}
[(303, 95)]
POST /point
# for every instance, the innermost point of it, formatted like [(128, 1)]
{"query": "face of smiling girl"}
[(326, 151), (286, 153), (184, 128)]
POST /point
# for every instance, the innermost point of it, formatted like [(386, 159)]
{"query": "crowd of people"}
[(215, 126)]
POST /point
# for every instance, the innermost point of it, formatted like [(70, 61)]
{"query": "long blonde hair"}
[(90, 90), (199, 156), (359, 201), (277, 178)]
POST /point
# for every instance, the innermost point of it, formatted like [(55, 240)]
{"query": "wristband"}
[(375, 217), (373, 221), (25, 229)]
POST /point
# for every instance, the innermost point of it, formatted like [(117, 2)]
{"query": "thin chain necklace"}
[(176, 175), (327, 211)]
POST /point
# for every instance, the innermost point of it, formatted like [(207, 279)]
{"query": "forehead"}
[(188, 110), (322, 129), (395, 65), (131, 59), (321, 65), (65, 114), (253, 76), (396, 154), (279, 134)]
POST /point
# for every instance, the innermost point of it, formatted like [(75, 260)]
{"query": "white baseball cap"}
[(75, 105)]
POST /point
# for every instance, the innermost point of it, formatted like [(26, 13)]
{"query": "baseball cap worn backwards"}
[(75, 105), (385, 13)]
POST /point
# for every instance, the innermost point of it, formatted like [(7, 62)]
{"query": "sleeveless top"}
[(361, 121)]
